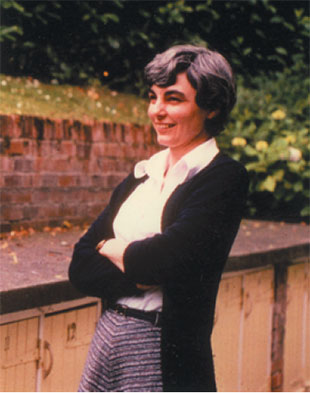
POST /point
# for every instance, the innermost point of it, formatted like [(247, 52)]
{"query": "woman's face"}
[(177, 119)]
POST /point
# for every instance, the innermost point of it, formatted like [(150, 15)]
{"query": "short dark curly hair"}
[(207, 71)]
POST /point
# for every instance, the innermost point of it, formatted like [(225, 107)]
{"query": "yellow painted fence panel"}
[(297, 336), (242, 332), (257, 330), (67, 336), (226, 334), (19, 355)]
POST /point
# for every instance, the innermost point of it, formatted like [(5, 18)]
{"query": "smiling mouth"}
[(164, 126)]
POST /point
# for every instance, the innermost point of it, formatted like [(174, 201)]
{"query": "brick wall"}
[(56, 170)]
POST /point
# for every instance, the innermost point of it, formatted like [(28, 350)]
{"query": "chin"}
[(161, 140)]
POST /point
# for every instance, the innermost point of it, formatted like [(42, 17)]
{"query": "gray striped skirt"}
[(124, 356)]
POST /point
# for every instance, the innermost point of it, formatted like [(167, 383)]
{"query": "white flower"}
[(294, 154)]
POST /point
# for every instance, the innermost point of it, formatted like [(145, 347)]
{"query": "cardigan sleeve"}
[(200, 236), (89, 271)]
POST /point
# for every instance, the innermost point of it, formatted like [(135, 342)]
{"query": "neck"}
[(176, 153)]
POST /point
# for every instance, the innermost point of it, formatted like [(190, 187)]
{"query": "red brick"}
[(49, 129), (6, 164), (94, 210), (44, 148), (5, 125), (83, 151), (98, 149), (66, 126), (59, 165), (57, 195), (23, 165), (97, 132), (13, 181), (68, 148), (6, 195), (16, 147), (114, 149), (75, 129), (83, 180), (86, 133), (32, 149), (36, 179), (23, 196), (67, 210), (30, 212), (65, 181), (27, 180), (40, 195), (11, 212), (111, 181), (128, 151), (49, 180), (9, 126), (26, 125), (48, 211), (38, 129), (108, 131)]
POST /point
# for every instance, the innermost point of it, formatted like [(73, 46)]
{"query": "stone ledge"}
[(34, 268)]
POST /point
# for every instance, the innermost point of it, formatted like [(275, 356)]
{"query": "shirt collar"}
[(189, 165)]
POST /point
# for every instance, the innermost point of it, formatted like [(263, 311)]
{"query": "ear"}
[(211, 115)]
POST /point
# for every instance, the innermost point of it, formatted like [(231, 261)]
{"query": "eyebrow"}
[(169, 93)]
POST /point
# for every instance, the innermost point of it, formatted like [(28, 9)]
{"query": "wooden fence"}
[(261, 337)]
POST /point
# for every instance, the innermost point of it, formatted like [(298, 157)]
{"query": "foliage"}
[(111, 41), (269, 133)]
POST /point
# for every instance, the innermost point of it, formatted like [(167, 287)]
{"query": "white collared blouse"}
[(140, 215)]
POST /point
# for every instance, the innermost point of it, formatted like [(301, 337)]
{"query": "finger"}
[(145, 287)]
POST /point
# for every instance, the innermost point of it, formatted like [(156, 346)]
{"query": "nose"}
[(157, 109)]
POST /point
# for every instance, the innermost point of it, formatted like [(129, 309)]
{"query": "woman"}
[(156, 253)]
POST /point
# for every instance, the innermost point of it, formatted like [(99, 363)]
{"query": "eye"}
[(152, 97), (174, 99)]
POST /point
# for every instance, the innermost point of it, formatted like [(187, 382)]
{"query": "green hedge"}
[(269, 134), (76, 42)]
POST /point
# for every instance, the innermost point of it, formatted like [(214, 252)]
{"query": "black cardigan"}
[(199, 223)]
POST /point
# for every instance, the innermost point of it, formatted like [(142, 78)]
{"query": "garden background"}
[(85, 59)]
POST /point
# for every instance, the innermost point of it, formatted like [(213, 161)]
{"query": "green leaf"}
[(6, 32), (106, 17), (13, 4), (113, 42), (247, 51), (281, 51), (256, 166), (298, 186), (279, 174), (305, 211), (250, 151)]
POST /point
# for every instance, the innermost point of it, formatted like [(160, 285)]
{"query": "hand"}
[(114, 250)]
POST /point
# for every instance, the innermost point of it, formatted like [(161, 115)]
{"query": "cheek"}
[(149, 111)]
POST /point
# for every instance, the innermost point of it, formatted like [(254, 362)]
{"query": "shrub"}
[(268, 133)]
